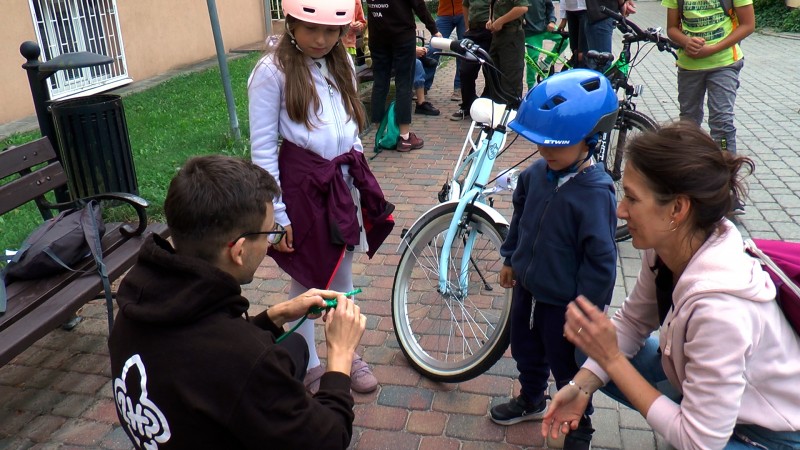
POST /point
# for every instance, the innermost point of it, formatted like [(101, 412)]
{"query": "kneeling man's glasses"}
[(274, 237)]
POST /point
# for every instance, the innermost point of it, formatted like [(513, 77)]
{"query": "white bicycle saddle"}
[(486, 111)]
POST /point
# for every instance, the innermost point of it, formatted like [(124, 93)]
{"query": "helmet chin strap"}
[(591, 142), (293, 41)]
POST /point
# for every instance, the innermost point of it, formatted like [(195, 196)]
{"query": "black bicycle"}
[(610, 148)]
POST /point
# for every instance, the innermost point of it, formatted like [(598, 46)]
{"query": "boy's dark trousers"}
[(542, 349), (470, 69)]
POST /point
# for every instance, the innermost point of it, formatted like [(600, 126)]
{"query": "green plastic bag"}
[(388, 131)]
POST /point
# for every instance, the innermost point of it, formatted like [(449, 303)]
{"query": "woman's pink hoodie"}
[(725, 345)]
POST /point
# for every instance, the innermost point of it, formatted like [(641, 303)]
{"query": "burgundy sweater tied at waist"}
[(322, 213)]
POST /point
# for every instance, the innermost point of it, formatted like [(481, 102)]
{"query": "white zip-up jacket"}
[(725, 345), (332, 133)]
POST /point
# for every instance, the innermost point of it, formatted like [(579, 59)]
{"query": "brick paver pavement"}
[(57, 394)]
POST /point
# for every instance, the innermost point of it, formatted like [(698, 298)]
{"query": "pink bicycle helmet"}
[(322, 12)]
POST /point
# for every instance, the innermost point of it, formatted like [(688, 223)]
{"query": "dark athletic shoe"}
[(412, 143), (459, 115), (518, 410), (427, 109), (738, 207)]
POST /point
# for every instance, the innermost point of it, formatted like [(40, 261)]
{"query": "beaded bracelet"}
[(573, 383)]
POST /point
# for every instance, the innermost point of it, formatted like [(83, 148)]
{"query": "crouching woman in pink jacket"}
[(724, 371)]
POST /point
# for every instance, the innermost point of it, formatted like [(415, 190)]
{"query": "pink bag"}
[(781, 260)]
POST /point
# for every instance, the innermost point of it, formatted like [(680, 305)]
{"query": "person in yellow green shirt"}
[(709, 60)]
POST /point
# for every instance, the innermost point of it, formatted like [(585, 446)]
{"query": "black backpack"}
[(56, 246)]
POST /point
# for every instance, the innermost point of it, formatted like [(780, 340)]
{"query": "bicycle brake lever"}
[(468, 56), (665, 44), (465, 48), (467, 44)]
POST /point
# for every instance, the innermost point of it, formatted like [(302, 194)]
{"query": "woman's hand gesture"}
[(565, 411), (591, 331)]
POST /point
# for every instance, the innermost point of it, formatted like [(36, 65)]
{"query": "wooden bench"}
[(37, 307)]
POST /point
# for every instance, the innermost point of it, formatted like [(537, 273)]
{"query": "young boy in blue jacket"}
[(561, 241)]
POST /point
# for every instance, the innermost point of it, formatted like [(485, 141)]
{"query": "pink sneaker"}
[(312, 377), (361, 378)]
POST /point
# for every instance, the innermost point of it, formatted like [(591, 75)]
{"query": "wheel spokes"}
[(454, 325)]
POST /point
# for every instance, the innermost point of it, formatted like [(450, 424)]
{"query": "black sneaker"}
[(738, 208), (517, 410), (460, 115), (581, 437), (427, 109)]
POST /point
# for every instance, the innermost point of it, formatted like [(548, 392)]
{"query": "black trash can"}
[(94, 145)]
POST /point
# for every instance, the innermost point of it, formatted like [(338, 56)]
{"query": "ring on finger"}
[(579, 330)]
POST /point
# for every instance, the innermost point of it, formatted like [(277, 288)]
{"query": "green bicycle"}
[(547, 60), (630, 122)]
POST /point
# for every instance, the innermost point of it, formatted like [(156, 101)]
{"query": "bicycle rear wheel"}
[(452, 336), (629, 124)]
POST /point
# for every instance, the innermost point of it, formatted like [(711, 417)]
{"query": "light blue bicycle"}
[(450, 313)]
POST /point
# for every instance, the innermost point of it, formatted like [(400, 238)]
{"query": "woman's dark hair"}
[(682, 159), (215, 198)]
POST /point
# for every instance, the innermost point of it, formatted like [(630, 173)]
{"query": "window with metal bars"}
[(66, 26)]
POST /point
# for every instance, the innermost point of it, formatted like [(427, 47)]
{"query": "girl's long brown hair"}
[(300, 92)]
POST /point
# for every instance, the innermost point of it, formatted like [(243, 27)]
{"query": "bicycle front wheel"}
[(629, 124), (455, 335)]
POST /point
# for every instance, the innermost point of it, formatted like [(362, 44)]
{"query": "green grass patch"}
[(183, 117), (774, 14)]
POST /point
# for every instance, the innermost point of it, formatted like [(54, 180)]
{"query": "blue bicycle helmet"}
[(566, 108)]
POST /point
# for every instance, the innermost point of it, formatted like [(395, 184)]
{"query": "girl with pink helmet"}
[(305, 92)]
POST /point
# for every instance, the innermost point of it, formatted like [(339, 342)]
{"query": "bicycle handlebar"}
[(443, 43), (464, 48), (468, 50), (649, 35)]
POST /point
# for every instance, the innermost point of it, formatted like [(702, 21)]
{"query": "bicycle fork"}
[(452, 232), (467, 198)]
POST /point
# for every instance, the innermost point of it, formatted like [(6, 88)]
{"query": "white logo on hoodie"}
[(145, 422)]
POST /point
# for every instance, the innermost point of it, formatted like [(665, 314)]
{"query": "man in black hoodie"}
[(191, 369)]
